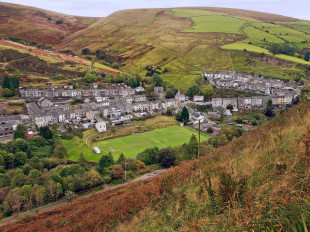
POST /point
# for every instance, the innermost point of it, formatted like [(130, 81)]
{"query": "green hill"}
[(183, 41)]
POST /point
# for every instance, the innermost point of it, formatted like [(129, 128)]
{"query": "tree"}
[(59, 190), (149, 156), (169, 111), (274, 48), (20, 132), (307, 56), (269, 113), (239, 120), (166, 157), (6, 82), (121, 159), (269, 104), (20, 158), (51, 189), (57, 178), (89, 78), (222, 115), (158, 81), (210, 130), (207, 91), (8, 159), (26, 192), (104, 162), (230, 107), (86, 51), (4, 180), (184, 116), (19, 145), (72, 170), (2, 162), (115, 171), (83, 162), (59, 150), (190, 150), (38, 194), (59, 76), (133, 81), (14, 200), (222, 139), (94, 178), (139, 166), (19, 179), (69, 195), (171, 91), (46, 132), (36, 163), (254, 122), (193, 90), (8, 93), (34, 175)]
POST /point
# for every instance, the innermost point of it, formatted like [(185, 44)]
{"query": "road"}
[(59, 203)]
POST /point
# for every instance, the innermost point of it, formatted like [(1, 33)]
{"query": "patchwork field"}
[(257, 32), (133, 144)]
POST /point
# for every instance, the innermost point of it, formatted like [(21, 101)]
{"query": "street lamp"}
[(125, 171)]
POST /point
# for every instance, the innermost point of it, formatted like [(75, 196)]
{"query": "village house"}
[(180, 97), (6, 131), (198, 98), (101, 126)]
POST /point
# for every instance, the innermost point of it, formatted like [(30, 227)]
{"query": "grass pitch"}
[(133, 144)]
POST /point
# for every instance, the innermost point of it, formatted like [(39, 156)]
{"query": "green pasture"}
[(216, 23)]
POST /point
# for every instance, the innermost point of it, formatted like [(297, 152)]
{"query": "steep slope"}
[(258, 182), (39, 25)]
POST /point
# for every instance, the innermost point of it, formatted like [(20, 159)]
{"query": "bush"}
[(166, 157), (210, 130)]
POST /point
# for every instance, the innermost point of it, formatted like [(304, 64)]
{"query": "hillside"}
[(37, 66), (187, 41), (183, 41), (39, 25), (258, 182)]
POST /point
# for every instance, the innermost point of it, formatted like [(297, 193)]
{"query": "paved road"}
[(56, 204)]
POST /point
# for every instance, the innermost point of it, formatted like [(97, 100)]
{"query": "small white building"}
[(227, 113), (198, 98), (96, 150), (101, 126), (139, 89)]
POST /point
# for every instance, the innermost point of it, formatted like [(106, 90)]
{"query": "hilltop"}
[(184, 42), (39, 25)]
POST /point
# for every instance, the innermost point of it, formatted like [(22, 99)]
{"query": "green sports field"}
[(133, 144)]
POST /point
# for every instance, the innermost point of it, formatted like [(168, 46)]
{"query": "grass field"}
[(245, 64), (131, 145), (134, 144), (240, 46), (216, 23), (257, 32)]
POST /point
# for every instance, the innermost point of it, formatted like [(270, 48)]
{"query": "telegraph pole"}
[(199, 138), (125, 171)]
